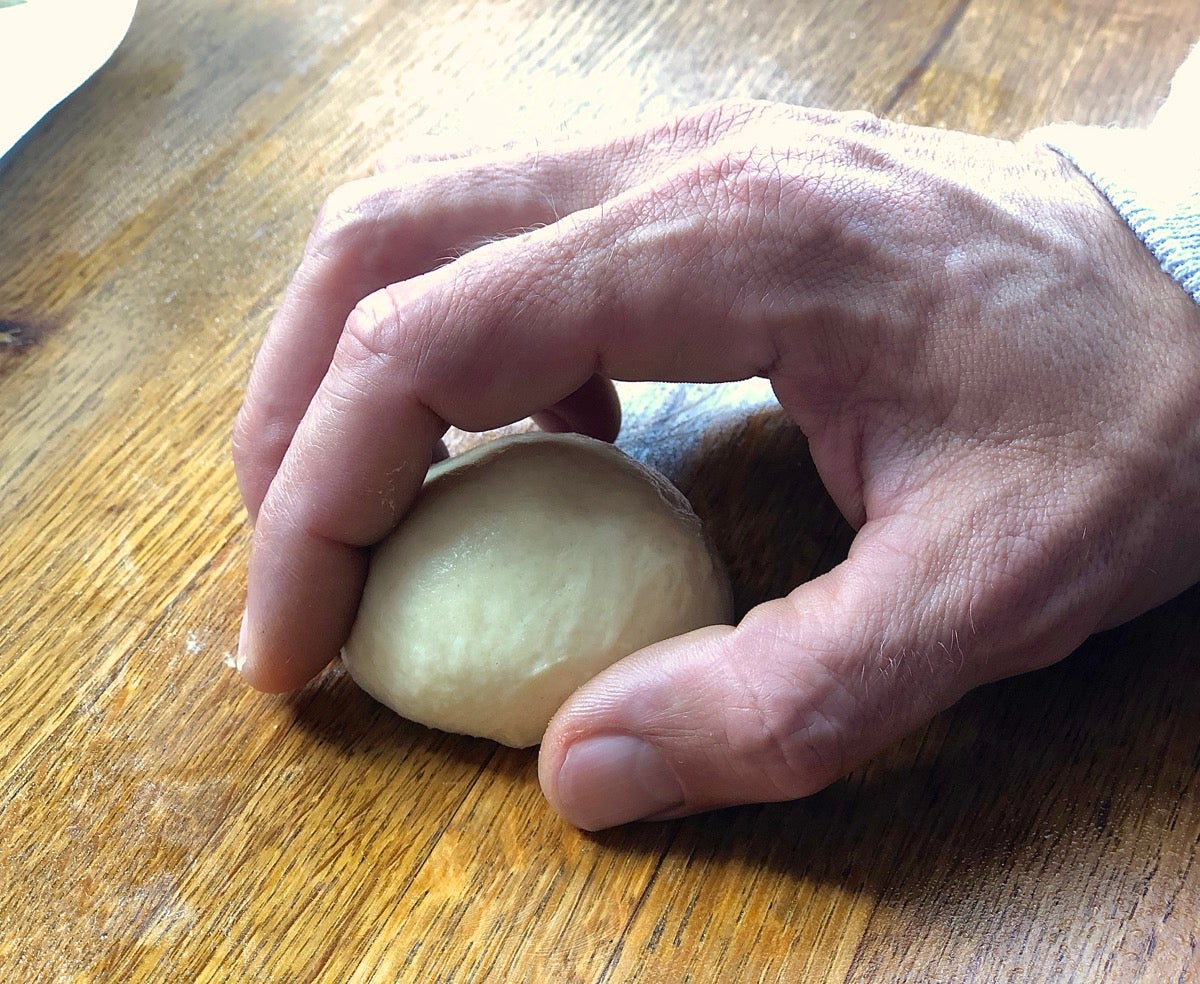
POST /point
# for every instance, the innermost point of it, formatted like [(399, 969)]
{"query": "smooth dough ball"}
[(524, 568)]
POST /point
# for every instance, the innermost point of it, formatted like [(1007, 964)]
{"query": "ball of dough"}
[(524, 568)]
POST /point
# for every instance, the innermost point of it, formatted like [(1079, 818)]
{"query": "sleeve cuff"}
[(1151, 179)]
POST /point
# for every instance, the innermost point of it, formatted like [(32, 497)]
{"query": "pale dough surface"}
[(525, 568)]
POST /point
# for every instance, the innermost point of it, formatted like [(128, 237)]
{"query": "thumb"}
[(803, 690)]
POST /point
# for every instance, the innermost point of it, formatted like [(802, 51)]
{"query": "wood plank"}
[(160, 821)]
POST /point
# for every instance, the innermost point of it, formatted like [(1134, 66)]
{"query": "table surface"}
[(159, 820)]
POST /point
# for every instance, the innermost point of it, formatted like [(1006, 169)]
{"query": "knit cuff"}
[(1152, 180)]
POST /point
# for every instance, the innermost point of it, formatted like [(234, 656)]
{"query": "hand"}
[(1000, 388)]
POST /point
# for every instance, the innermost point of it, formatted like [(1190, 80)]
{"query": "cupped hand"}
[(1000, 388)]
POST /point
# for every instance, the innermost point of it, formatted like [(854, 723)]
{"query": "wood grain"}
[(159, 821)]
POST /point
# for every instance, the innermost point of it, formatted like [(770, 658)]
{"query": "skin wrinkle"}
[(747, 196), (770, 725), (354, 214), (670, 233), (372, 338), (1015, 573), (829, 252), (888, 657), (893, 659)]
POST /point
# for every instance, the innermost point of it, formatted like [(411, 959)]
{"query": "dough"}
[(524, 568)]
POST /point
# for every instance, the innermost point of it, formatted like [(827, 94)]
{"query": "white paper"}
[(48, 48)]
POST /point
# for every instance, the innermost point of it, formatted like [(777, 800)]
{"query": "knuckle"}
[(336, 212), (371, 335), (708, 125), (791, 746), (716, 121), (757, 186), (863, 121), (244, 444), (259, 435), (259, 442), (343, 216), (765, 156), (863, 144), (387, 336), (245, 438)]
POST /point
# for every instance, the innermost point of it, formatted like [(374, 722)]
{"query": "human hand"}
[(1000, 389)]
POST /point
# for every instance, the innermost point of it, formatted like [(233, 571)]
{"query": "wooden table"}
[(160, 821)]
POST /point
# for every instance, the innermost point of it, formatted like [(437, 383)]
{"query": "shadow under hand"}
[(745, 468), (333, 710), (1036, 806), (1035, 811)]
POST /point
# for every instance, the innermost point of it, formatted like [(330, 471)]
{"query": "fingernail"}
[(615, 779), (243, 648)]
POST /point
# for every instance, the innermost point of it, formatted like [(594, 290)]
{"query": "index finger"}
[(505, 331), (402, 224), (369, 233)]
